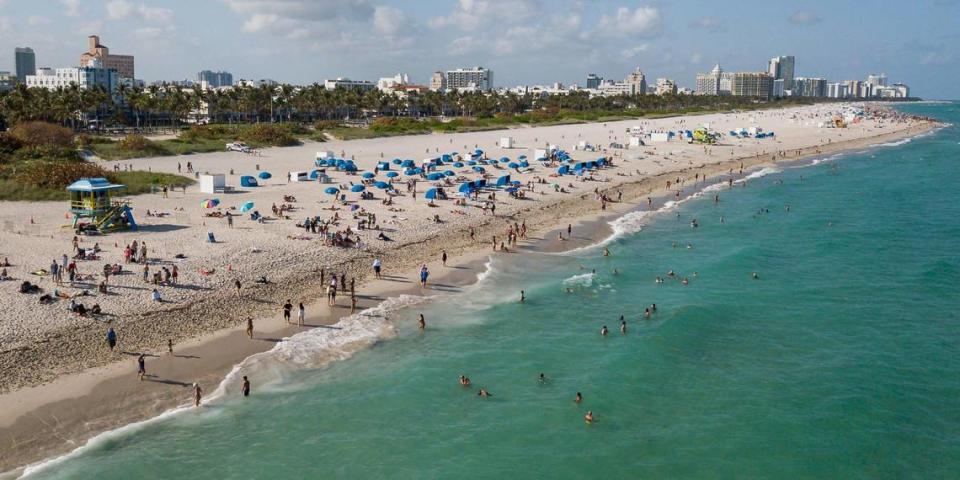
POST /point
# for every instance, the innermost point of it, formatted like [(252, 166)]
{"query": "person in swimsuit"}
[(141, 366), (422, 322), (578, 398), (245, 387), (250, 327), (464, 380), (286, 311), (588, 417), (111, 338), (484, 393), (604, 331), (197, 395)]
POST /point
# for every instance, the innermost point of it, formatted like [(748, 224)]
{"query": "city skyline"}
[(525, 42)]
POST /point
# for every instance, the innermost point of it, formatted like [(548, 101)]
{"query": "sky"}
[(522, 41)]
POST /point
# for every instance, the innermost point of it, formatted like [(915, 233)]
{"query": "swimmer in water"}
[(755, 276), (464, 381), (685, 281), (689, 246), (653, 307), (646, 313), (422, 323), (604, 331), (588, 417), (721, 218), (659, 280), (606, 252), (542, 378), (616, 272), (623, 327), (484, 393), (522, 296), (578, 398)]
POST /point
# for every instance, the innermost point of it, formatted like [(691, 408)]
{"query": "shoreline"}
[(79, 404)]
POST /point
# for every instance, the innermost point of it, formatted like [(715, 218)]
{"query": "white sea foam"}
[(902, 141), (584, 280), (313, 348)]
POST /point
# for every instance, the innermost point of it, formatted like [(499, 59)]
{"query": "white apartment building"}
[(386, 84), (82, 77), (347, 84), (474, 79)]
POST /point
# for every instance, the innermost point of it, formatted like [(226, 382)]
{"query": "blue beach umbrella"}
[(382, 185), (368, 175), (435, 176), (407, 163), (246, 207), (513, 165), (524, 164), (331, 190), (471, 162), (478, 169), (504, 159), (357, 188), (449, 173), (522, 157), (264, 175), (458, 165), (392, 174), (396, 161)]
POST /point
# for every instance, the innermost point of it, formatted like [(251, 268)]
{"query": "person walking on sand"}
[(250, 327), (245, 387), (170, 346), (376, 268), (286, 311), (197, 394), (111, 338), (236, 283), (443, 257), (424, 273), (301, 313), (141, 366)]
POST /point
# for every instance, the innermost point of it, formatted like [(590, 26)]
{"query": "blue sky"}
[(523, 41)]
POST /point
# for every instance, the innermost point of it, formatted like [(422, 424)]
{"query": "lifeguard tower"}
[(90, 199)]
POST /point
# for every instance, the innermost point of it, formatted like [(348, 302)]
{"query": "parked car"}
[(238, 147)]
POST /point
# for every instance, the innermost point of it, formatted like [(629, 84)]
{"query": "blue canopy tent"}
[(431, 194), (350, 167), (248, 181), (383, 166), (563, 170), (480, 183), (382, 185), (357, 188), (264, 175), (465, 187), (331, 190), (368, 175), (320, 163), (315, 174), (503, 181)]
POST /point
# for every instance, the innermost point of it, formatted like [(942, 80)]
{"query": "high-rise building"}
[(809, 87), (782, 68), (878, 80), (26, 63), (709, 83), (473, 79), (666, 86), (854, 88), (751, 84), (725, 87), (778, 90), (123, 64), (387, 84), (438, 82), (638, 81), (837, 90), (215, 79), (593, 80)]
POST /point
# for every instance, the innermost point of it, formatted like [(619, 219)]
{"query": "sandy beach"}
[(61, 383)]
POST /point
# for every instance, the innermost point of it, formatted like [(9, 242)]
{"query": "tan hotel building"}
[(123, 64)]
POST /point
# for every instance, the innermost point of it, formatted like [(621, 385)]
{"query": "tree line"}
[(171, 105)]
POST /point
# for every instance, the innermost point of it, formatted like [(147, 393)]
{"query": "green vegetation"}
[(198, 139), (37, 162)]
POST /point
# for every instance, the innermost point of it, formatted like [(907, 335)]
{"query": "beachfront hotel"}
[(123, 64), (469, 79)]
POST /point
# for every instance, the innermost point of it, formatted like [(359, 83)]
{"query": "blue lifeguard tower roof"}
[(93, 185)]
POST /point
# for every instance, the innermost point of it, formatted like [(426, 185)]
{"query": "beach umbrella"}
[(471, 162), (458, 165), (504, 159), (357, 188), (431, 194), (513, 165), (382, 185), (449, 173), (246, 207), (392, 174), (435, 176), (383, 165), (209, 203), (350, 167), (516, 183), (368, 175), (408, 163), (396, 161), (478, 152), (410, 172), (331, 190), (264, 175), (522, 157), (478, 169), (524, 164)]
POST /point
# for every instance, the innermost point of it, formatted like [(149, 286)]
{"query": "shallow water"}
[(841, 360)]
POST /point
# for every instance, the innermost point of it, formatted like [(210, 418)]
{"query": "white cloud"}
[(123, 9), (634, 51), (641, 22), (804, 17), (478, 14), (390, 21), (37, 20), (710, 24), (696, 58), (71, 8)]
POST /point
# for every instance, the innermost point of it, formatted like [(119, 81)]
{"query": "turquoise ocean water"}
[(841, 361)]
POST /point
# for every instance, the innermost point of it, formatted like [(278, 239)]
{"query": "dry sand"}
[(46, 411)]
